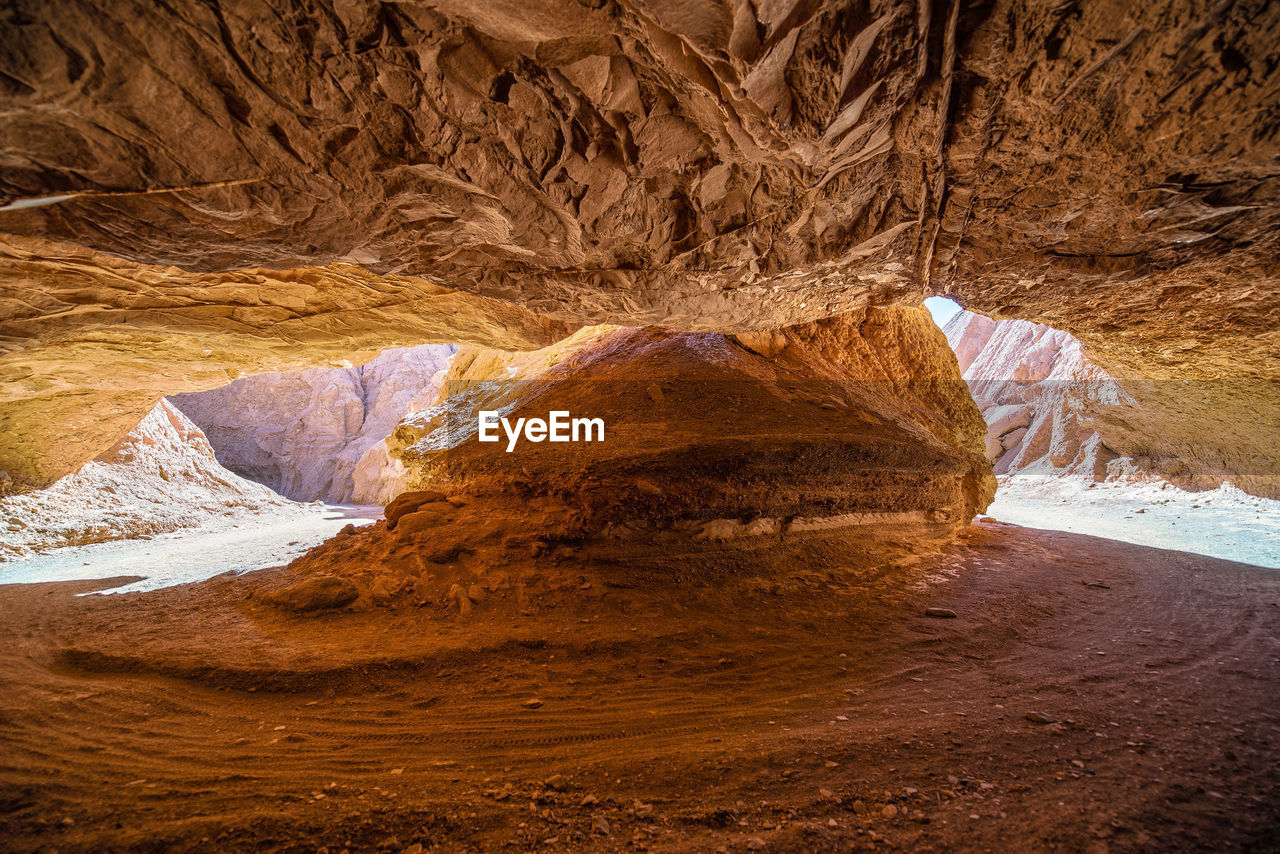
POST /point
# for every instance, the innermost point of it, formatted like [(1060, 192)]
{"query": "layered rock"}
[(716, 165), (320, 434), (858, 428), (161, 477), (1038, 394), (90, 342), (1051, 409)]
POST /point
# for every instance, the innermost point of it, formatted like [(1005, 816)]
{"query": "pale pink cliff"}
[(1039, 394), (319, 434)]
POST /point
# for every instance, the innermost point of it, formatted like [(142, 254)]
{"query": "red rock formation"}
[(858, 428)]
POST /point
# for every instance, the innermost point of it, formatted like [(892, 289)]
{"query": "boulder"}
[(409, 502), (424, 520), (317, 594)]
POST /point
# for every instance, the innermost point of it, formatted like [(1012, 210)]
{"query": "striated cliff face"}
[(161, 477), (320, 434), (720, 165), (858, 428), (1052, 409), (1038, 394)]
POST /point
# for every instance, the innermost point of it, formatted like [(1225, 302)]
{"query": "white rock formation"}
[(1039, 394), (319, 434), (161, 477)]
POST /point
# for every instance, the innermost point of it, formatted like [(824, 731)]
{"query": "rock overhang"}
[(730, 166)]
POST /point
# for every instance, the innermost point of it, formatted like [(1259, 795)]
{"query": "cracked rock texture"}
[(1051, 409), (320, 434), (726, 165)]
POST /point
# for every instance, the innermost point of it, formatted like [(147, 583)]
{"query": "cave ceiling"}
[(1109, 167)]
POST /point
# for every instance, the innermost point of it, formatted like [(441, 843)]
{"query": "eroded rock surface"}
[(91, 343), (1051, 409), (161, 477), (320, 434), (857, 428), (712, 165)]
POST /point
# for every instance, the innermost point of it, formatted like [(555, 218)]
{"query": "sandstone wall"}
[(1052, 409), (285, 183), (319, 434)]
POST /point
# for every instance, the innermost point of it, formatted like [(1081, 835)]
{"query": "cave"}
[(586, 425)]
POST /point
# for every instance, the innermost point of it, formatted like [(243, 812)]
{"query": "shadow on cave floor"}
[(824, 713)]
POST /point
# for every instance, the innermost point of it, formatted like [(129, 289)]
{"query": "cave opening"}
[(942, 309), (1060, 441), (237, 478)]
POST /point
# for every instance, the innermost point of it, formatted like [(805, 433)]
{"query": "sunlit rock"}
[(319, 434), (161, 477)]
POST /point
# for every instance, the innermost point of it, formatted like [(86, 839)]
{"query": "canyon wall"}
[(1040, 396), (1051, 409), (319, 434), (161, 477), (191, 190)]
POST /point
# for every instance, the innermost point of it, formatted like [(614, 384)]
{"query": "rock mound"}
[(316, 594), (857, 430)]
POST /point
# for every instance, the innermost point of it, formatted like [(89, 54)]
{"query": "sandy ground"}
[(1223, 522), (691, 712), (238, 544)]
